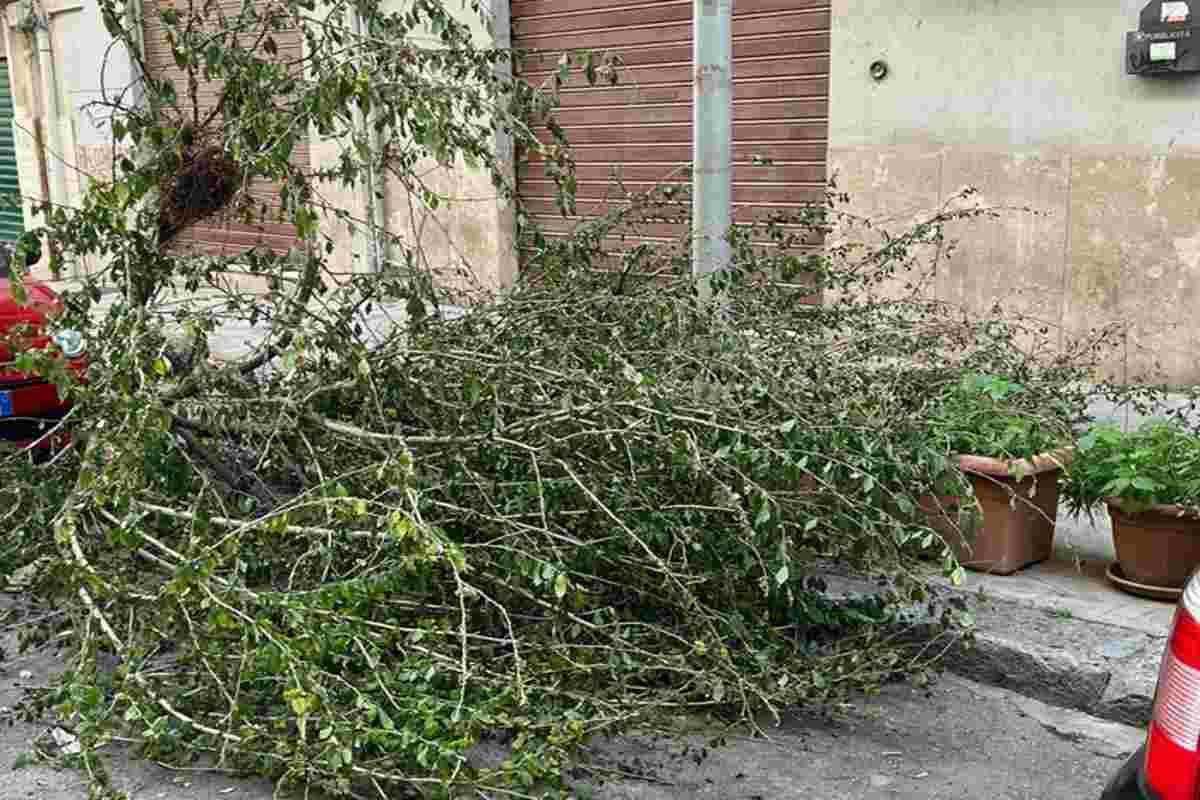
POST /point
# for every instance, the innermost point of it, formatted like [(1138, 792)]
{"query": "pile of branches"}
[(564, 512)]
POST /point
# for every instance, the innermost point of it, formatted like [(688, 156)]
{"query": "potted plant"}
[(1150, 481), (1011, 454)]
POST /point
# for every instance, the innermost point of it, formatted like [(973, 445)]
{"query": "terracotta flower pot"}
[(953, 518), (1018, 502), (1158, 547)]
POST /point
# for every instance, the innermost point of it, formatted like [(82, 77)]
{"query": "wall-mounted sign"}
[(1162, 51), (1174, 12), (1167, 40)]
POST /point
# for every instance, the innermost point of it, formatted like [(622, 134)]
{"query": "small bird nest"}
[(203, 182)]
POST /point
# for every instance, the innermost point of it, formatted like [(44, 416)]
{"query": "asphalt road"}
[(955, 740)]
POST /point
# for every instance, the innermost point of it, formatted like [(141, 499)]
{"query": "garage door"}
[(220, 236), (12, 221), (642, 128)]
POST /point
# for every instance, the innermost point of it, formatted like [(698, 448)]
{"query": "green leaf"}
[(1117, 486), (781, 576), (299, 701), (561, 585)]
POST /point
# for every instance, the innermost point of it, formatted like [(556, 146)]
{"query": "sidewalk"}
[(1058, 632), (1061, 632)]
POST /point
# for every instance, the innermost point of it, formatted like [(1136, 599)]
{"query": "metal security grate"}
[(641, 128), (12, 218)]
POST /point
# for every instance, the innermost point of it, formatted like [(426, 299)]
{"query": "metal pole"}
[(373, 194), (507, 266), (712, 138)]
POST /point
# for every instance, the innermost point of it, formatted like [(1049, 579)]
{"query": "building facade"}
[(905, 102), (59, 58), (1031, 103)]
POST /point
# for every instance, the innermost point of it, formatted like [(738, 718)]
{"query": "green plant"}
[(1157, 464), (994, 416)]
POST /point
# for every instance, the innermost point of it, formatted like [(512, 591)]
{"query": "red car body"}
[(30, 406)]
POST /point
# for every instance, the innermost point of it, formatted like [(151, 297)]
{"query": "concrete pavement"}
[(955, 740), (952, 740)]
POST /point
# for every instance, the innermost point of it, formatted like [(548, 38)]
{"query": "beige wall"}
[(1029, 103), (471, 233)]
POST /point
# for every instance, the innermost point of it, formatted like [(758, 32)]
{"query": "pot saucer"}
[(1119, 580)]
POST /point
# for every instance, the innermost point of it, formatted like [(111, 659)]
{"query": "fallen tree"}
[(562, 513)]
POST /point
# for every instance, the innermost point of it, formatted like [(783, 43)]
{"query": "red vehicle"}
[(1168, 765), (30, 406)]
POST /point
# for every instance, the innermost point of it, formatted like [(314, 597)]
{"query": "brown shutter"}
[(643, 126), (219, 235)]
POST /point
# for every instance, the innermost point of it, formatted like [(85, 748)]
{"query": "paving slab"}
[(1109, 639), (1101, 669), (1084, 537)]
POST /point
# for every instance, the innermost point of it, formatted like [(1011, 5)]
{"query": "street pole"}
[(712, 138)]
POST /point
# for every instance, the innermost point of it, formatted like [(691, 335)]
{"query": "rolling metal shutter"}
[(642, 128), (12, 219), (220, 236)]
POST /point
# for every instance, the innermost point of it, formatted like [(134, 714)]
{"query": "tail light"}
[(1172, 767)]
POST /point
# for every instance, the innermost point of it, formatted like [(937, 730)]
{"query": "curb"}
[(1104, 670), (1107, 671)]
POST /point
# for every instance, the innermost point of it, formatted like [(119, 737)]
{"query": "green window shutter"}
[(12, 220)]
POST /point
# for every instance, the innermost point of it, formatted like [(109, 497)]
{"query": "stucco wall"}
[(468, 241), (1029, 102)]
